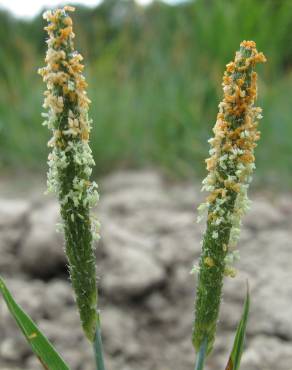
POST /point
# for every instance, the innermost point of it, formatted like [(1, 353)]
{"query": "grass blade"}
[(40, 345), (236, 353)]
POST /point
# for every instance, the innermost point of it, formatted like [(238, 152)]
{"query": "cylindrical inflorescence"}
[(230, 167), (70, 161)]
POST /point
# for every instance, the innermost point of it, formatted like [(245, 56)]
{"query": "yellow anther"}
[(209, 261), (32, 335), (230, 271)]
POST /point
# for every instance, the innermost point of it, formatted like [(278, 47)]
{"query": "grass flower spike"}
[(70, 160), (230, 167)]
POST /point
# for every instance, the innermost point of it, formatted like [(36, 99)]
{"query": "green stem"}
[(98, 349), (200, 360)]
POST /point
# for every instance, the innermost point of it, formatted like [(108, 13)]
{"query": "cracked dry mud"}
[(150, 241)]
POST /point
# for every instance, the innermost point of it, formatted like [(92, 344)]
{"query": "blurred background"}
[(154, 70), (154, 76)]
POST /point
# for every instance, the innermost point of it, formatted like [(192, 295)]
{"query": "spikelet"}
[(230, 167), (70, 161)]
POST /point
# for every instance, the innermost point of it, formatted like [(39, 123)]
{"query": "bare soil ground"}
[(150, 241)]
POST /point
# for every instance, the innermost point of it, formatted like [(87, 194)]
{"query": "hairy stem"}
[(98, 349), (200, 359)]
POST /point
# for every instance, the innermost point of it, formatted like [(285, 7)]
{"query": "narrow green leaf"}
[(40, 345), (236, 353)]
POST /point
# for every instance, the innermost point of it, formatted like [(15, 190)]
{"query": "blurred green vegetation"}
[(154, 77)]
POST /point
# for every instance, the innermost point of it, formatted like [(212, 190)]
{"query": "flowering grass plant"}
[(70, 164), (70, 161), (230, 167)]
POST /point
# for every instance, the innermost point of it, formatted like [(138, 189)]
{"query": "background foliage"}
[(154, 77)]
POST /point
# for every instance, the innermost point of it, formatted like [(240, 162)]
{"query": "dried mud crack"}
[(150, 241)]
